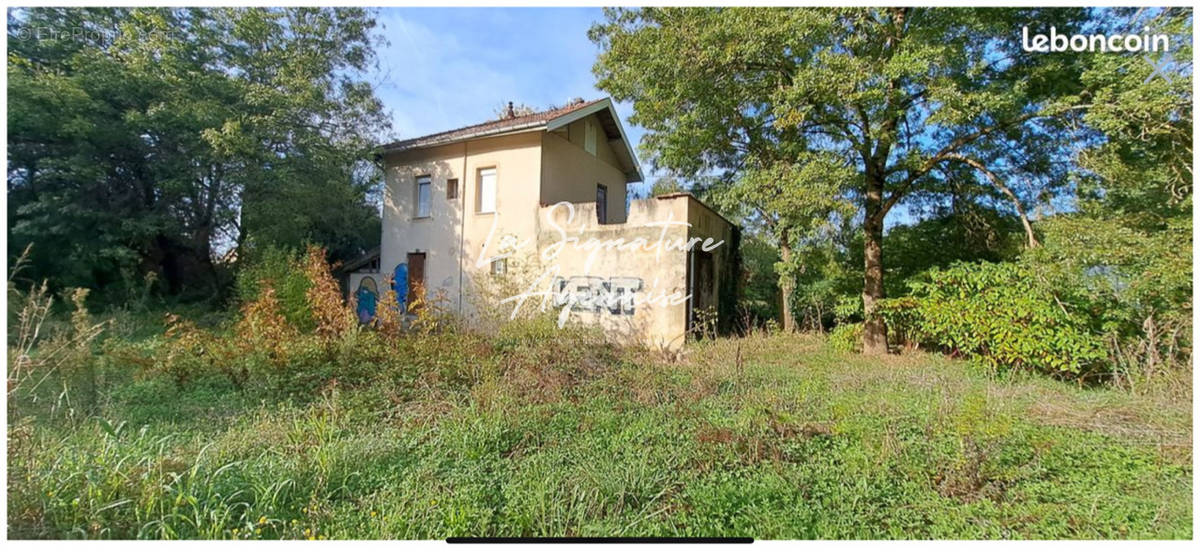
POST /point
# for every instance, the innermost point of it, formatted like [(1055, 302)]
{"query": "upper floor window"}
[(486, 194), (601, 204), (451, 189), (424, 196)]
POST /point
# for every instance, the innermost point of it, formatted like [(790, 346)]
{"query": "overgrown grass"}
[(767, 436), (255, 428)]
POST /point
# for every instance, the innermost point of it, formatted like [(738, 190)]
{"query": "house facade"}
[(540, 202)]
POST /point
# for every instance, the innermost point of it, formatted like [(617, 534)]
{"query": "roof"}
[(548, 120), (356, 263)]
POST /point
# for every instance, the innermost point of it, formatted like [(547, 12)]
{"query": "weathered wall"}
[(536, 170), (570, 173), (453, 236), (658, 268), (365, 285)]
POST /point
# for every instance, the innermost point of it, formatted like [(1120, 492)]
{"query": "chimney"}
[(510, 113)]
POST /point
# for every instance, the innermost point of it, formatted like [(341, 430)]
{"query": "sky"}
[(447, 68)]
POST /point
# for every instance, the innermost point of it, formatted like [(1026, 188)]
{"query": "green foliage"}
[(1133, 287), (760, 292), (903, 447), (279, 268), (1000, 314), (975, 234), (806, 118), (846, 337), (161, 136), (1124, 259)]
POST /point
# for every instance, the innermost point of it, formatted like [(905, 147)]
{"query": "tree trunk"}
[(874, 329), (786, 287)]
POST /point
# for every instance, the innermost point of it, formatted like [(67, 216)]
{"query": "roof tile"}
[(488, 128)]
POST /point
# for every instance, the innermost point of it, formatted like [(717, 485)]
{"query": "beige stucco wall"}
[(706, 224), (661, 272), (536, 170), (570, 173), (454, 235)]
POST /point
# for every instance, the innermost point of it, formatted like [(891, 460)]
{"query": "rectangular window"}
[(487, 191), (589, 137), (451, 189), (424, 197), (500, 267), (601, 204)]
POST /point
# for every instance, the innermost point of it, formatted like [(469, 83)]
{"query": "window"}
[(589, 137), (451, 189), (423, 196), (500, 267), (487, 191), (601, 204)]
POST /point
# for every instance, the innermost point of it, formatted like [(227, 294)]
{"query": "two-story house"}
[(547, 191)]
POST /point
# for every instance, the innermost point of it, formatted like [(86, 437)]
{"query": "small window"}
[(601, 204), (500, 266), (589, 137), (487, 191), (423, 196), (451, 189)]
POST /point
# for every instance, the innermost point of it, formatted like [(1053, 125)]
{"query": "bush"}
[(846, 337), (998, 314), (282, 270)]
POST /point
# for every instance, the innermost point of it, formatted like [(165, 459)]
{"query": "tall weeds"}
[(49, 368)]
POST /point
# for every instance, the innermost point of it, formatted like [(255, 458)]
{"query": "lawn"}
[(772, 437)]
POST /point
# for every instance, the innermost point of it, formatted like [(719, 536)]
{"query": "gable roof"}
[(548, 120)]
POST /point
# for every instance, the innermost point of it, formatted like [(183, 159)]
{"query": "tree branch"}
[(996, 180)]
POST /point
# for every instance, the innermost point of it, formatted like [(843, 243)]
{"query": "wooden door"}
[(416, 276)]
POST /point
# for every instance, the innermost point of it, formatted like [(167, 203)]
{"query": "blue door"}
[(400, 285)]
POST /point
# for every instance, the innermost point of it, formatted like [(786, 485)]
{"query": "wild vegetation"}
[(266, 425), (872, 147), (174, 142), (182, 363)]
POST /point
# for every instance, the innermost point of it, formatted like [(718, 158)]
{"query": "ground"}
[(772, 437)]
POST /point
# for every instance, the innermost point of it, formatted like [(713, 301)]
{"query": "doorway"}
[(416, 277)]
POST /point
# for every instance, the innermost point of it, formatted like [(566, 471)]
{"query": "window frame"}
[(452, 188), (479, 174), (602, 207), (427, 182)]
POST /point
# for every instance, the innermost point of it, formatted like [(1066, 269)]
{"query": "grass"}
[(774, 437)]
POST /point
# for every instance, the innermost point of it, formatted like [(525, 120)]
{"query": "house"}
[(547, 193)]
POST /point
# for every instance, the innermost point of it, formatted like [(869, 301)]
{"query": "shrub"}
[(998, 314), (282, 270), (846, 337), (329, 311)]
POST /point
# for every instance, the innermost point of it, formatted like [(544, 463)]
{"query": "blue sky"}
[(446, 68)]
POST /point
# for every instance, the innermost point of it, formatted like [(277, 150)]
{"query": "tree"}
[(1124, 257), (789, 202), (898, 95), (157, 139)]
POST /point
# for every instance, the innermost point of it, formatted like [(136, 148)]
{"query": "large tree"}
[(898, 95), (158, 139)]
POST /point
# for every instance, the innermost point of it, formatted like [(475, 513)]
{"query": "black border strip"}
[(601, 540)]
